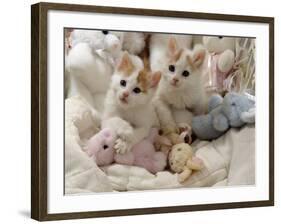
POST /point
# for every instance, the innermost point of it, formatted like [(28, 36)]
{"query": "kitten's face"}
[(178, 72), (132, 84), (182, 65)]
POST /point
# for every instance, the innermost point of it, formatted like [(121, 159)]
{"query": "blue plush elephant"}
[(234, 110)]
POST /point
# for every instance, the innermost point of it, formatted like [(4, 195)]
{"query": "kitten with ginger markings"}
[(181, 91), (128, 108)]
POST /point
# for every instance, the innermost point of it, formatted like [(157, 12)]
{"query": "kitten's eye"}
[(105, 146), (123, 83), (220, 37), (233, 104), (185, 73), (171, 68), (137, 90), (105, 32)]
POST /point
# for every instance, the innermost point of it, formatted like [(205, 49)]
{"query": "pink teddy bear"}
[(143, 154)]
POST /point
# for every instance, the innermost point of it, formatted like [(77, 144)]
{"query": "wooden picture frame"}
[(39, 109)]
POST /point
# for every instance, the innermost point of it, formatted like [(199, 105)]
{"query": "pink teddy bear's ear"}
[(107, 133)]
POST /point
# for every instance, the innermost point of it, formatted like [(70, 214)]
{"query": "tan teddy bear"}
[(183, 162)]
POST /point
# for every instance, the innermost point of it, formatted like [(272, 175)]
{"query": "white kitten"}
[(91, 60), (128, 108), (181, 90)]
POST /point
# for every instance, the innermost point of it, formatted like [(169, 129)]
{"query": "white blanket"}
[(229, 160)]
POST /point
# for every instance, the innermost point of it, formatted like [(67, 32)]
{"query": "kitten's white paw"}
[(127, 135), (124, 130), (121, 146)]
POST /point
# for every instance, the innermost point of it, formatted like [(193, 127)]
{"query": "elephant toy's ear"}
[(248, 116), (220, 122), (214, 101)]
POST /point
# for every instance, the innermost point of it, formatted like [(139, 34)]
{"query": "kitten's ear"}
[(172, 46), (173, 50), (155, 78), (197, 57), (126, 64)]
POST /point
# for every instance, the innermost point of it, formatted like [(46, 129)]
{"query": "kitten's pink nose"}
[(125, 94), (175, 80)]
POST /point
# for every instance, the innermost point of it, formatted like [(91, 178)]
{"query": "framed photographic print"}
[(138, 111)]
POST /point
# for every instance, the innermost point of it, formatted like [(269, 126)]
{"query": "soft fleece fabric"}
[(229, 160)]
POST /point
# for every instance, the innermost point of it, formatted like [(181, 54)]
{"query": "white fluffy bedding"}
[(229, 160)]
